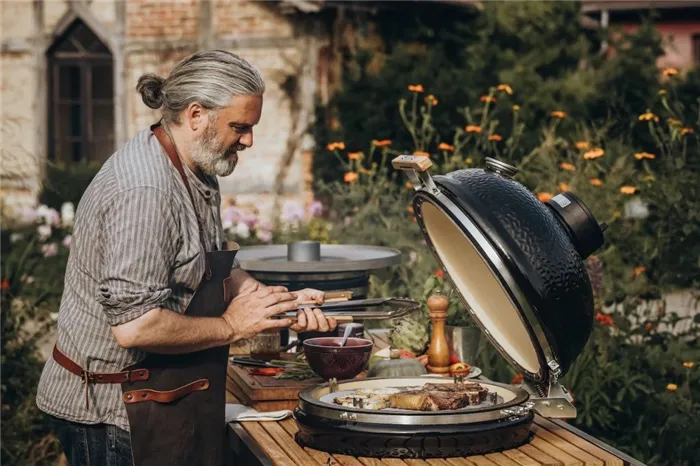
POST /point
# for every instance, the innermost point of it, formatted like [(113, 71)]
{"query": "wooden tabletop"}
[(551, 445)]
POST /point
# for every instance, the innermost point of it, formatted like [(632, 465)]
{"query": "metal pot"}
[(516, 262)]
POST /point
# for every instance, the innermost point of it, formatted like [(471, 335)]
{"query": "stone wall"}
[(151, 36)]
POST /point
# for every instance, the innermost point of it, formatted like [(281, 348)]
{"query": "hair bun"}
[(151, 88)]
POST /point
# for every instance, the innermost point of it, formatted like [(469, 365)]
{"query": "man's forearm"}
[(168, 332)]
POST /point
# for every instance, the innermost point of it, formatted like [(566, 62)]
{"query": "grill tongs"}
[(345, 310)]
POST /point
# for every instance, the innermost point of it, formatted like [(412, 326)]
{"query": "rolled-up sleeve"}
[(140, 238)]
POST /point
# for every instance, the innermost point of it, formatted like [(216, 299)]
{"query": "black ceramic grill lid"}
[(516, 262)]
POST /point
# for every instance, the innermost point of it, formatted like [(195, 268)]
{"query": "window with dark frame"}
[(81, 93)]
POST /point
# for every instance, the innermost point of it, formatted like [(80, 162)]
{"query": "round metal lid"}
[(333, 258)]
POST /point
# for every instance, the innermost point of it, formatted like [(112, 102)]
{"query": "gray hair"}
[(209, 78)]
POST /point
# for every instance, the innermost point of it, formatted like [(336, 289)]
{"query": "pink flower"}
[(49, 215), (292, 212), (315, 208), (230, 216), (49, 250), (44, 231), (250, 219), (67, 241), (28, 215), (264, 235)]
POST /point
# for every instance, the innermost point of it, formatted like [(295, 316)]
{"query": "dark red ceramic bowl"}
[(328, 359)]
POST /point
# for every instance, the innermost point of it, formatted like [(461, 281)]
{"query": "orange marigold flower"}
[(649, 326), (685, 131), (505, 88), (421, 153), (517, 380), (674, 122), (350, 177), (544, 197), (381, 143), (418, 88), (594, 154), (336, 146), (439, 273), (472, 129), (644, 155), (567, 166), (688, 364), (468, 160), (431, 100), (516, 108), (596, 181), (670, 71), (628, 190), (495, 137), (558, 114), (648, 116), (582, 145), (5, 284), (445, 146), (563, 187), (487, 98), (672, 387), (639, 270), (409, 185), (354, 155), (605, 319)]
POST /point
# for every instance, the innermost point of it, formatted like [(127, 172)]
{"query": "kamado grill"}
[(517, 264)]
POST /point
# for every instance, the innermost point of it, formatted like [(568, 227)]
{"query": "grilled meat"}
[(439, 397)]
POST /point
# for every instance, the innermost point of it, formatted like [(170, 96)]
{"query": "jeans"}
[(94, 444)]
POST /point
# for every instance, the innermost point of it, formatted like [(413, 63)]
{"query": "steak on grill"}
[(439, 397)]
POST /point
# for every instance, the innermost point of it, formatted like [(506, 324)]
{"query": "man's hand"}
[(249, 314), (309, 295), (312, 320)]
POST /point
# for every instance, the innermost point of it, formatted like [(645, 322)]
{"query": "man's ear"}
[(196, 116)]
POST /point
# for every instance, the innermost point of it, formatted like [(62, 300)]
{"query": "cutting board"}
[(266, 393)]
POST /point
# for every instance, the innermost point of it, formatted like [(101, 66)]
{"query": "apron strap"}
[(166, 141)]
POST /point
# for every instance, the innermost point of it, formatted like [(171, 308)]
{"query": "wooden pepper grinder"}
[(439, 352)]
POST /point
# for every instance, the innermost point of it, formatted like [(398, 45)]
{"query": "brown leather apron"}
[(176, 416)]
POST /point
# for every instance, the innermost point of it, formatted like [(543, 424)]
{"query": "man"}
[(139, 369)]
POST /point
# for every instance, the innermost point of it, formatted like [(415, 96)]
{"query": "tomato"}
[(266, 370)]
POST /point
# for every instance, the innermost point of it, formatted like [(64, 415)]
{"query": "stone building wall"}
[(151, 36)]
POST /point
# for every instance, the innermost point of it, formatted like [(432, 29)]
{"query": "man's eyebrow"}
[(236, 123)]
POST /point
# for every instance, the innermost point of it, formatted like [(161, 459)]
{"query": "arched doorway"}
[(81, 97)]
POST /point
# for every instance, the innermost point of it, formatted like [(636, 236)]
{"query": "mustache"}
[(234, 149)]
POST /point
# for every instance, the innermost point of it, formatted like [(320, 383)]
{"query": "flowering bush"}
[(295, 223), (632, 184), (34, 255)]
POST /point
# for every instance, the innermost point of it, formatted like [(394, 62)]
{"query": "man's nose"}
[(247, 139)]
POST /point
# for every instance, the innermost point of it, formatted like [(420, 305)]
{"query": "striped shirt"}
[(135, 247)]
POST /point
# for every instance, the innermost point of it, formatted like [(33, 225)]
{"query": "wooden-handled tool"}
[(439, 352), (333, 297), (339, 319)]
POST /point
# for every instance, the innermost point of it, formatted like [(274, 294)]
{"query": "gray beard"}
[(207, 153)]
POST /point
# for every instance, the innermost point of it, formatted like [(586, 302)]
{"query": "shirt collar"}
[(207, 187)]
